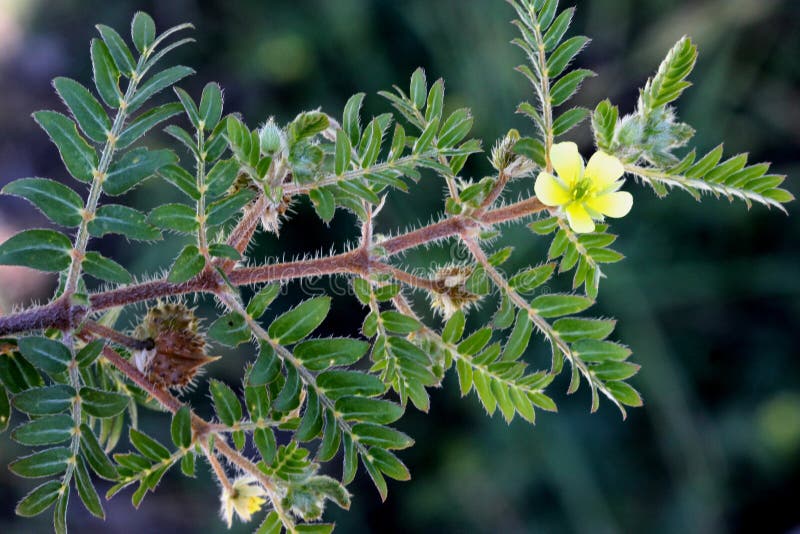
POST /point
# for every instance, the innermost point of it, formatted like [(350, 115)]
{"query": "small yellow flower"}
[(245, 497), (584, 195)]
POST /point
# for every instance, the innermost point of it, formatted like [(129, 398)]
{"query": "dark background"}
[(708, 298)]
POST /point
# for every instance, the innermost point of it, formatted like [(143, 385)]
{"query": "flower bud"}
[(271, 137)]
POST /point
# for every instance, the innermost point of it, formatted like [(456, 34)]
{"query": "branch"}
[(59, 314)]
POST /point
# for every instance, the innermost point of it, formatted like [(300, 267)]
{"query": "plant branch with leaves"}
[(79, 378)]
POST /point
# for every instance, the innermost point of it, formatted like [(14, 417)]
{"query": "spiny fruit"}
[(450, 293), (180, 350)]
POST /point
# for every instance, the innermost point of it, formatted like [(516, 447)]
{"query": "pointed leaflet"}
[(297, 323), (135, 167), (79, 158), (118, 219), (61, 204), (44, 250), (106, 75), (87, 111)]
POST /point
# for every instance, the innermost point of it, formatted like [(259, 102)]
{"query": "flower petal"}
[(579, 218), (550, 191), (612, 204), (603, 170), (567, 162)]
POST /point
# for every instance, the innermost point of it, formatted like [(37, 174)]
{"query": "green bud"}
[(271, 137)]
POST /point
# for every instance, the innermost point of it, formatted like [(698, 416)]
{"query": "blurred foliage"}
[(717, 446)]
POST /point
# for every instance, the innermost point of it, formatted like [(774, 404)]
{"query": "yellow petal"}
[(616, 204), (579, 218), (549, 191), (603, 170), (567, 162)]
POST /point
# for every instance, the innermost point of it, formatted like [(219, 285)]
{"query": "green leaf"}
[(321, 354), (611, 370), (455, 128), (557, 305), (564, 54), (211, 105), (47, 354), (188, 265), (60, 512), (99, 403), (592, 350), (382, 437), (475, 342), (670, 81), (454, 328), (568, 120), (435, 104), (625, 394), (86, 491), (42, 463), (176, 217), (226, 403), (39, 499), (189, 107), (557, 29), (572, 329), (307, 125), (299, 322), (340, 383), (106, 269), (264, 440), (222, 210), (44, 250), (118, 219), (106, 75), (135, 167), (88, 354), (261, 300), (119, 51), (181, 179), (145, 122), (289, 397), (419, 88), (221, 177), (44, 400), (365, 410), (376, 476), (530, 279), (221, 250), (95, 455), (181, 428), (87, 111), (231, 330), (58, 202), (397, 322), (45, 430), (324, 203), (343, 151), (143, 31), (148, 446), (351, 123), (519, 338), (79, 158), (567, 86), (158, 83), (266, 368), (389, 464), (425, 139)]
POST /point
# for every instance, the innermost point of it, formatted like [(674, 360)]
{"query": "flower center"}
[(582, 189)]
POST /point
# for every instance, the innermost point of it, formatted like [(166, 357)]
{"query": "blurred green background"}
[(709, 297)]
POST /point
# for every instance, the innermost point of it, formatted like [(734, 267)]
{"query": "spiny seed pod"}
[(179, 350), (450, 293)]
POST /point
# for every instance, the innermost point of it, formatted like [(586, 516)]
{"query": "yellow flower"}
[(584, 195), (245, 497)]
